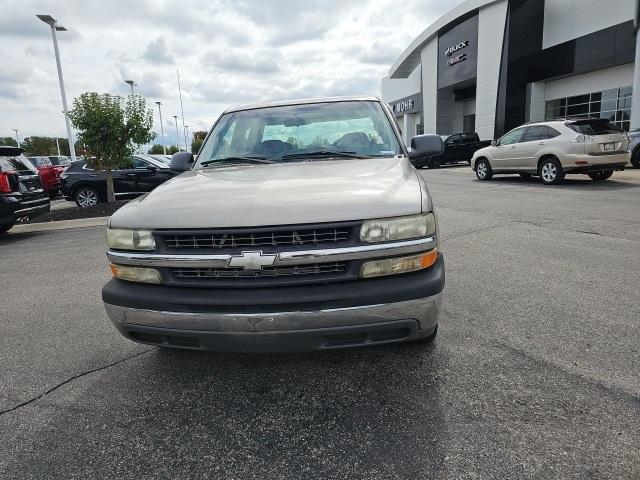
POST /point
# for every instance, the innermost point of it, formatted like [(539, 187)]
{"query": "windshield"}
[(594, 127), (161, 159), (60, 161), (291, 133)]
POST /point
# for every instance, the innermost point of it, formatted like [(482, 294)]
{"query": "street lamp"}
[(175, 117), (186, 149), (49, 20), (131, 84), (164, 149), (17, 139), (186, 138)]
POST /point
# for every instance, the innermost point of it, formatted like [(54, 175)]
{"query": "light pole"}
[(175, 117), (58, 146), (186, 149), (131, 84), (164, 149), (49, 20), (186, 141), (17, 139)]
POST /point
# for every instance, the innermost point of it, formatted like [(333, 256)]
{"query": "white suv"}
[(552, 149)]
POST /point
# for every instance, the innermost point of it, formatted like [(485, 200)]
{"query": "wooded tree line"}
[(41, 146), (196, 143)]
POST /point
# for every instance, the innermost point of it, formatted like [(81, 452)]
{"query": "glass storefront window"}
[(613, 104), (578, 100)]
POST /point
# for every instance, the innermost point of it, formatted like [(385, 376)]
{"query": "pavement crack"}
[(71, 379), (613, 390), (473, 232)]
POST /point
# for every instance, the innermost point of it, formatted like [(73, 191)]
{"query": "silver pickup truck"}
[(301, 226)]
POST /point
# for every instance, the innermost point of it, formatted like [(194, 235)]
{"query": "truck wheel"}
[(6, 227), (635, 158), (551, 171), (86, 197), (433, 163), (483, 170), (600, 175)]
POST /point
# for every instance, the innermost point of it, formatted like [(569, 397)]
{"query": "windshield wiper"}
[(238, 160), (323, 154)]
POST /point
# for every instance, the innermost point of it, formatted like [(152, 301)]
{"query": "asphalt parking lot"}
[(535, 372)]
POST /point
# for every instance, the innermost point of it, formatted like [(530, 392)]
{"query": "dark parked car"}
[(21, 192), (458, 148), (634, 147), (88, 187)]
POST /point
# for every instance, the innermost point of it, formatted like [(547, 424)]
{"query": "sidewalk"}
[(61, 225)]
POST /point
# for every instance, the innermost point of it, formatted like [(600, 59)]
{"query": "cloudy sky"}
[(229, 52)]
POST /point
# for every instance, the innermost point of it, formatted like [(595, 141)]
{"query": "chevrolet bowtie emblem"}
[(252, 260)]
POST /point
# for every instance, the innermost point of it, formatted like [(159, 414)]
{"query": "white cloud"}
[(157, 52), (228, 52)]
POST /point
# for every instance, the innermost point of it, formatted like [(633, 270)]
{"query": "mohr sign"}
[(411, 104)]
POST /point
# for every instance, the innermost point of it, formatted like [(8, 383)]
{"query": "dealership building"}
[(491, 65)]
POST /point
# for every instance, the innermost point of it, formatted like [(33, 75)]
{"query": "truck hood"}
[(277, 194)]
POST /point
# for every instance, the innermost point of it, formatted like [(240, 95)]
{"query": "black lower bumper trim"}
[(277, 299), (281, 341), (594, 168)]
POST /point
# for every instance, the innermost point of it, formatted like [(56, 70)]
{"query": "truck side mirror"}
[(426, 145), (181, 161), (494, 143)]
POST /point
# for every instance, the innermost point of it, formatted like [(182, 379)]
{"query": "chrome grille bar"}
[(303, 257)]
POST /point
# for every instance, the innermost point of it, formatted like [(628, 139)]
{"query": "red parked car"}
[(49, 174)]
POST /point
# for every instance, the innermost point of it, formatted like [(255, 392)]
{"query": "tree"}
[(111, 128), (198, 138), (39, 146), (8, 141), (172, 149), (156, 149)]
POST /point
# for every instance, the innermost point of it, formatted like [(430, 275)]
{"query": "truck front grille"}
[(296, 271), (270, 239), (237, 277)]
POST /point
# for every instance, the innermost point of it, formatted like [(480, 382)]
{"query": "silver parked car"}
[(301, 226), (552, 149)]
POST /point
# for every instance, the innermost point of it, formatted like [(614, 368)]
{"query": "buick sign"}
[(451, 50)]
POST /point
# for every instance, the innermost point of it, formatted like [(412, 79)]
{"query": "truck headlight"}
[(130, 239), (136, 274), (394, 266), (398, 228)]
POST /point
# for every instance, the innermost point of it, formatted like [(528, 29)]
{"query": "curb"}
[(60, 225)]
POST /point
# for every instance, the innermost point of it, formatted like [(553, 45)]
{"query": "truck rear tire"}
[(600, 175), (6, 227), (551, 172)]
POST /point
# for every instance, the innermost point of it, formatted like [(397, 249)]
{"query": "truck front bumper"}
[(352, 314), (280, 332)]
